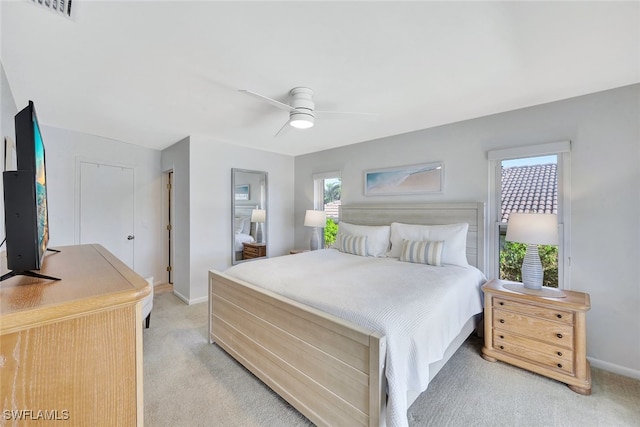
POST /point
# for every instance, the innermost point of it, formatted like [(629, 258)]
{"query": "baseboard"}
[(616, 369), (188, 301), (198, 300), (181, 297)]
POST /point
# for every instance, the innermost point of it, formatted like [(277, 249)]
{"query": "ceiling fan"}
[(301, 110)]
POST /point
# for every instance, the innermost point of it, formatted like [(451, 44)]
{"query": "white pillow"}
[(377, 237), (239, 224), (242, 225), (454, 237)]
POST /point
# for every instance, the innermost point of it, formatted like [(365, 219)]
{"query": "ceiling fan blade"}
[(328, 113), (283, 130), (273, 102)]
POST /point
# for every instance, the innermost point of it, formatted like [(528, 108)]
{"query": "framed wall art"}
[(412, 179), (242, 192)]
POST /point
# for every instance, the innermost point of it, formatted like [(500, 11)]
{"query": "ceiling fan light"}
[(301, 121)]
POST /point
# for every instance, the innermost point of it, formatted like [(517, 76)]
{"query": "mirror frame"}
[(263, 205)]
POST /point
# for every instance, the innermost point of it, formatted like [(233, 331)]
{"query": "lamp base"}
[(532, 273), (259, 233), (544, 291), (314, 245)]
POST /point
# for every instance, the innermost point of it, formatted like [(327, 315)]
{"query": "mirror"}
[(249, 215)]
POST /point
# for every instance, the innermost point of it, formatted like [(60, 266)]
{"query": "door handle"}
[(130, 237)]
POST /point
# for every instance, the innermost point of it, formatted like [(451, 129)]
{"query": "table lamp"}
[(533, 229), (259, 216), (315, 219)]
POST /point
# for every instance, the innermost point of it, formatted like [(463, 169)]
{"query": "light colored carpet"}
[(189, 382)]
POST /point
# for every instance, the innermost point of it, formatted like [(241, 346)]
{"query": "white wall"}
[(63, 148), (605, 132), (8, 110), (209, 216)]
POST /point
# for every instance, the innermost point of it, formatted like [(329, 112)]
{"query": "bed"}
[(333, 366)]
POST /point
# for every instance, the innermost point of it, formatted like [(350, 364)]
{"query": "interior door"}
[(107, 208)]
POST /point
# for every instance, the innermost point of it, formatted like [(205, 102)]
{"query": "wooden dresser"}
[(71, 350), (254, 250), (541, 334)]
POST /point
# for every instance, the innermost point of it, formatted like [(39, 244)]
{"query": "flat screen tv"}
[(25, 200)]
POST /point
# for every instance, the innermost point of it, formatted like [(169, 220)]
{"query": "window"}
[(532, 179), (528, 185), (327, 193)]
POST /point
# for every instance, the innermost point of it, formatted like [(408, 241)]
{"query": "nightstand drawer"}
[(560, 363), (558, 354), (534, 310), (251, 250), (533, 327)]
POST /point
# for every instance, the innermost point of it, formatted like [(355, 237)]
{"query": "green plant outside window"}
[(512, 255)]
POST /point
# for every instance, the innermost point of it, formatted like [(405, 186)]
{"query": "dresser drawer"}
[(533, 327), (532, 349), (534, 310)]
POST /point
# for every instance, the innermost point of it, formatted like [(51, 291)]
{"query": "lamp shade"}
[(258, 215), (315, 219), (533, 228)]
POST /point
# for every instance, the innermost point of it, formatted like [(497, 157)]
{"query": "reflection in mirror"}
[(249, 215)]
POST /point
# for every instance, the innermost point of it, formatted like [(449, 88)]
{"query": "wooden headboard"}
[(427, 214)]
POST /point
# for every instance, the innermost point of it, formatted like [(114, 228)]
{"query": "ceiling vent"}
[(60, 7)]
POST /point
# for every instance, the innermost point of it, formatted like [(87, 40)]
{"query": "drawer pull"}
[(559, 316), (502, 321), (559, 335), (501, 303), (559, 353), (501, 337), (560, 365), (501, 347)]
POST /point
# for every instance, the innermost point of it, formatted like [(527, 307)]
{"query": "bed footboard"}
[(329, 369)]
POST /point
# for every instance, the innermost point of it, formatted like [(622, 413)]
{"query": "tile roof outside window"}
[(529, 189)]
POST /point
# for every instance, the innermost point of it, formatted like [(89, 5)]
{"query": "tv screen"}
[(25, 198), (41, 188)]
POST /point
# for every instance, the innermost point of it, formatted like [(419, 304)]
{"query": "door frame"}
[(76, 217), (168, 208)]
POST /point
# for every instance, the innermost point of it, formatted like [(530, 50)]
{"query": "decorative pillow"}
[(356, 245), (377, 237), (453, 235), (423, 252)]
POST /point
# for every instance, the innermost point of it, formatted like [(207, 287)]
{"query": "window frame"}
[(318, 192), (318, 187), (562, 149)]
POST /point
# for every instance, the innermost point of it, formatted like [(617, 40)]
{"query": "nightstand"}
[(542, 334), (254, 250)]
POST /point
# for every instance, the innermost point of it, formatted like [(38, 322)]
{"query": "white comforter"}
[(418, 307)]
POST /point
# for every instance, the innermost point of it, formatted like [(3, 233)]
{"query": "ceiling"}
[(151, 73)]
